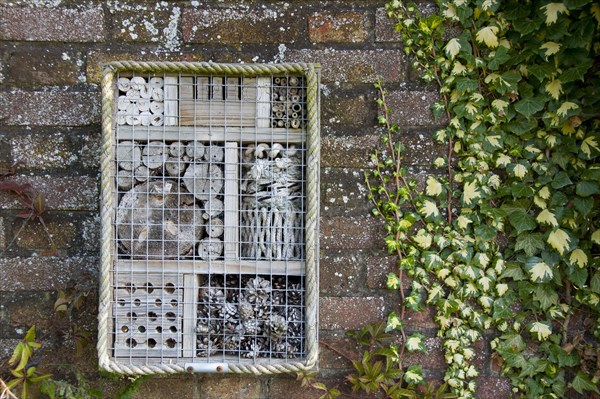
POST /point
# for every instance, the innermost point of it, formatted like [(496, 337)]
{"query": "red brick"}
[(44, 273), (230, 387), (432, 359), (343, 192), (341, 272), (334, 353), (493, 388), (33, 237), (50, 108), (419, 320), (338, 27), (412, 108), (355, 232), (288, 388), (348, 151), (51, 25), (97, 58), (234, 26), (378, 267), (350, 313), (358, 66), (348, 110), (182, 386), (64, 193), (34, 67)]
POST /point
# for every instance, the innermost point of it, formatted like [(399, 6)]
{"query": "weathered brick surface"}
[(50, 108), (144, 23), (45, 273), (33, 67), (342, 272), (340, 27), (66, 193), (356, 232), (356, 66), (51, 25), (384, 27), (62, 149), (338, 313), (169, 387), (412, 108), (493, 387), (343, 192), (230, 386), (241, 25), (22, 309), (378, 267), (341, 110), (348, 151)]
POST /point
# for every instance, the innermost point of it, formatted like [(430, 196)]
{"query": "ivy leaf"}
[(595, 282), (393, 322), (539, 270), (589, 144), (500, 57), (530, 243), (547, 217), (554, 88), (470, 193), (521, 190), (414, 374), (587, 188), (578, 277), (550, 48), (520, 219), (561, 180), (577, 72), (596, 236), (552, 10), (452, 48), (529, 106), (581, 383), (488, 36), (559, 240), (542, 329), (434, 187), (414, 343), (545, 295), (565, 108), (583, 205)]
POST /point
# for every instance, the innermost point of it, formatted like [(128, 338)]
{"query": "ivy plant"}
[(504, 239)]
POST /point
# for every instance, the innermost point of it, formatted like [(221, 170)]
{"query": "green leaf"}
[(583, 205), (582, 383), (595, 282), (561, 180), (500, 57), (520, 219), (530, 243), (521, 190), (529, 106), (577, 72), (587, 188), (466, 85), (578, 276), (545, 295)]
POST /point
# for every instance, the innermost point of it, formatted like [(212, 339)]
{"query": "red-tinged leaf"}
[(11, 186), (26, 214)]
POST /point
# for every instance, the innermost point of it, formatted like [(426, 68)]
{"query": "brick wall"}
[(49, 123)]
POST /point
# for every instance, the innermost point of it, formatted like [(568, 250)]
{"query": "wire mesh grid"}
[(209, 219)]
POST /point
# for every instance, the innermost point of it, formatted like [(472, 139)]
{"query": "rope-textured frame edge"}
[(312, 74)]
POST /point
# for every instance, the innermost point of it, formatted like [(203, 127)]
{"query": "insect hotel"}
[(210, 177)]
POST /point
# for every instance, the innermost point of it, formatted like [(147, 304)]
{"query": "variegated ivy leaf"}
[(393, 282), (488, 36), (484, 282), (539, 270), (439, 162), (541, 330), (452, 48), (544, 193), (550, 48), (434, 187), (499, 105), (589, 144), (596, 236), (482, 259), (435, 292), (519, 171), (579, 258), (503, 160), (414, 374), (540, 202), (494, 181), (414, 343), (393, 322), (547, 217), (470, 193), (565, 108), (429, 209), (458, 68), (554, 88), (463, 222), (552, 10), (501, 289), (559, 240), (423, 240), (494, 140)]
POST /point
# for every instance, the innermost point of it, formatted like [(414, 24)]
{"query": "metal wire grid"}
[(209, 225)]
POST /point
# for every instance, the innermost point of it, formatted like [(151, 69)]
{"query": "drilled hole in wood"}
[(171, 343), (151, 343), (149, 288), (152, 316), (130, 288), (132, 316), (169, 288), (137, 302), (159, 329), (173, 329), (121, 302), (174, 302), (125, 329), (171, 316), (158, 302), (132, 343), (142, 329)]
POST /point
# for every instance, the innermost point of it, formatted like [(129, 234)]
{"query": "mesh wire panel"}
[(209, 218)]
